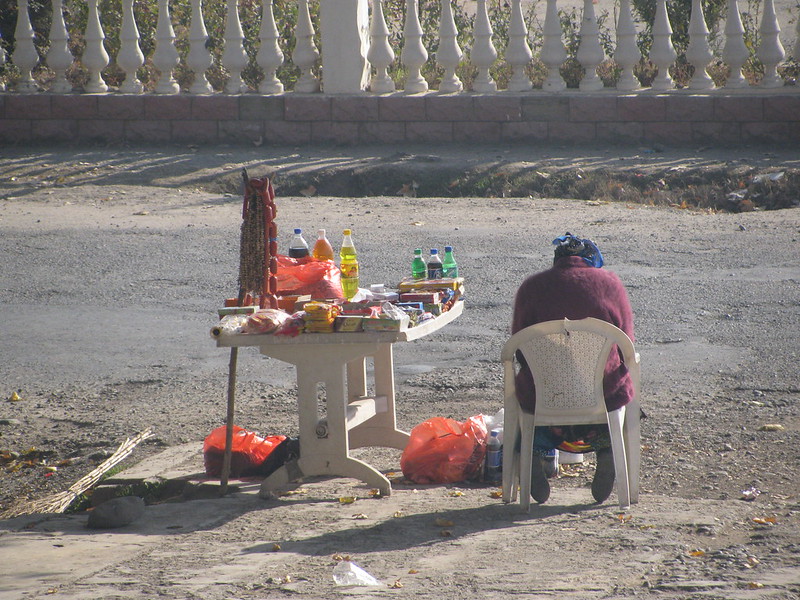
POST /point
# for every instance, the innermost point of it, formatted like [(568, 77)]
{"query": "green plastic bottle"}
[(419, 270), (449, 266), (348, 266)]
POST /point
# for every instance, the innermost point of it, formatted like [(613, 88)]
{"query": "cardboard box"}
[(386, 324), (349, 323)]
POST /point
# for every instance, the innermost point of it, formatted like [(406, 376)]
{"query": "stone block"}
[(593, 108), (642, 108), (287, 132), (619, 133), (307, 107), (716, 133), (738, 108), (167, 107), (546, 108), (425, 131), (689, 108), (148, 131), (241, 131), (381, 132), (785, 134), (564, 132), (194, 131), (27, 106), (101, 130), (477, 131), (355, 108), (449, 108), (399, 107), (15, 131), (255, 108), (782, 108), (335, 132), (117, 512), (667, 132), (526, 131), (69, 106), (120, 106), (497, 107), (215, 107), (54, 130)]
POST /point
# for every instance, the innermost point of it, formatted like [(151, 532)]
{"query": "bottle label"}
[(434, 271), (349, 271), (451, 272)]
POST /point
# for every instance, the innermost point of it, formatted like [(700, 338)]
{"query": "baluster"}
[(413, 56), (627, 53), (234, 58), (770, 52), (95, 58), (553, 52), (483, 53), (24, 57), (199, 58), (796, 53), (735, 52), (305, 53), (165, 57), (269, 56), (130, 56), (59, 58), (662, 52), (2, 62), (590, 52), (449, 53), (698, 53), (518, 52), (380, 54)]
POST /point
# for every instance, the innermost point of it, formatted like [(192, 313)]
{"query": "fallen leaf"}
[(398, 513), (496, 494), (276, 547), (287, 579), (771, 427), (412, 571), (141, 213), (765, 520), (360, 516), (347, 499), (375, 493), (295, 492), (418, 223), (396, 585), (697, 553), (340, 557), (443, 522), (15, 397), (455, 493), (754, 585)]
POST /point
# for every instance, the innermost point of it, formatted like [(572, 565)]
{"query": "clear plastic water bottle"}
[(434, 265), (494, 459), (298, 248), (419, 270), (449, 266)]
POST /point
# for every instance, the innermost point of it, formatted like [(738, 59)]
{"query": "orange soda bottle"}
[(322, 247)]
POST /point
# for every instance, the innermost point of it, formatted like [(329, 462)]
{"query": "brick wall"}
[(678, 118)]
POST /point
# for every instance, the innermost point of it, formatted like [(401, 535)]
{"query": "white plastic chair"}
[(567, 360)]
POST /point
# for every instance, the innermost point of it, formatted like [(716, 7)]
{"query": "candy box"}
[(349, 323)]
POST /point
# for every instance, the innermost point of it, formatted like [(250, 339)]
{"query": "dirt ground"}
[(116, 260)]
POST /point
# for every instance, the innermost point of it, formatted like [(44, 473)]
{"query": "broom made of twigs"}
[(58, 503)]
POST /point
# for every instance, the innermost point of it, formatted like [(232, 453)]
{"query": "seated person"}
[(575, 287)]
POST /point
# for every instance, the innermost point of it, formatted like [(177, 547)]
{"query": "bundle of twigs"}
[(61, 501)]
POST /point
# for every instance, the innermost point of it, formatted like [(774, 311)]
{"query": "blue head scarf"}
[(570, 245)]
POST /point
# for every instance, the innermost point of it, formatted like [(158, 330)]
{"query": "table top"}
[(357, 337)]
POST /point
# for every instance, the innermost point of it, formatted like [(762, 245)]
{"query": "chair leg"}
[(633, 447), (527, 423), (510, 456), (615, 421)]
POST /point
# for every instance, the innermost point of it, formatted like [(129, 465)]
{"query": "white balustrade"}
[(518, 52), (165, 57), (735, 52), (95, 58), (199, 58), (796, 53), (413, 56), (305, 54), (58, 57), (234, 58), (130, 56), (25, 56), (662, 52), (449, 53), (626, 54), (2, 62), (345, 39), (553, 52), (770, 52), (380, 54), (698, 53), (483, 52), (269, 56), (590, 52)]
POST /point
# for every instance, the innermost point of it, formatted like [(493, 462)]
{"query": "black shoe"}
[(540, 487), (550, 466), (603, 481)]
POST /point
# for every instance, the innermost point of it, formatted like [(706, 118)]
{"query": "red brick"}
[(619, 133), (593, 108), (14, 131), (449, 108), (527, 131), (70, 106), (54, 130), (382, 132), (335, 132), (28, 106), (102, 130), (195, 131), (399, 107), (241, 131), (642, 108), (355, 108), (782, 108), (120, 106), (148, 131), (497, 107), (571, 133), (264, 108), (215, 107), (545, 108), (283, 132), (671, 132), (477, 131), (167, 107), (738, 108), (425, 131), (689, 108), (310, 107)]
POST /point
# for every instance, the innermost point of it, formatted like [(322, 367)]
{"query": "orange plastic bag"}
[(248, 451), (319, 278), (442, 450)]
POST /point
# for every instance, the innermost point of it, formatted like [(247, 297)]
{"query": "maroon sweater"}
[(574, 290)]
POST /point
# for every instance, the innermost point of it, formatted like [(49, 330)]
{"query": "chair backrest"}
[(567, 360)]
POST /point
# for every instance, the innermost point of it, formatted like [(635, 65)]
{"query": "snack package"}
[(266, 320)]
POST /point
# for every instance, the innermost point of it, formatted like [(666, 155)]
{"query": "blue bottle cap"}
[(448, 248), (434, 251), (298, 230)]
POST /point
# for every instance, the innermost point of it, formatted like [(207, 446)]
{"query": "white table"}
[(353, 420)]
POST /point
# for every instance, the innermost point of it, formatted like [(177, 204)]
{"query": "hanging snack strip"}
[(258, 263)]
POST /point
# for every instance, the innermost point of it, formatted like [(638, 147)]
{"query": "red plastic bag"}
[(248, 451), (442, 450), (299, 276)]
